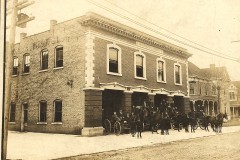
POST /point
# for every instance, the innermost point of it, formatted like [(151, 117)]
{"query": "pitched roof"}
[(194, 71), (217, 72)]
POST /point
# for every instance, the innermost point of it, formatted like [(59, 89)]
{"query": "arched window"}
[(114, 64), (59, 56), (161, 70), (140, 65), (44, 59), (26, 63)]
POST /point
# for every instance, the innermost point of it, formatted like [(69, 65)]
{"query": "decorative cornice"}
[(98, 21)]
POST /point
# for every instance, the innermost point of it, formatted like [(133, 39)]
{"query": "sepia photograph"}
[(120, 79)]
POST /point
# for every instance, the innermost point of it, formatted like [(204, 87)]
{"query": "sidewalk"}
[(35, 146)]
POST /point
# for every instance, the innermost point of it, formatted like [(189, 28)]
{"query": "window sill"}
[(57, 68), (56, 123), (14, 75), (141, 78), (41, 122), (114, 74), (24, 74), (161, 81), (43, 71), (11, 122), (177, 84)]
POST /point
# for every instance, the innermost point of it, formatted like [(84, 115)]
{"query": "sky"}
[(209, 25)]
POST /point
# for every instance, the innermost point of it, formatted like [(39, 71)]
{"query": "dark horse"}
[(219, 122)]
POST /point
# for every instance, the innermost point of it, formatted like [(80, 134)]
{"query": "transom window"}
[(177, 74), (12, 112), (42, 111), (161, 70), (26, 63), (44, 59), (59, 56), (114, 65), (57, 111), (15, 66), (140, 65)]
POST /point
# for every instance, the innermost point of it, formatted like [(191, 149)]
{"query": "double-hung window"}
[(177, 74), (12, 112), (15, 66), (57, 111), (42, 111), (140, 65), (26, 63), (114, 64), (161, 70), (25, 112), (44, 59), (58, 56)]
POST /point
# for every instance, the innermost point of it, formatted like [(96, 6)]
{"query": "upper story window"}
[(114, 64), (57, 111), (214, 90), (15, 66), (42, 111), (44, 59), (161, 70), (177, 74), (12, 112), (26, 63), (192, 89), (140, 65), (232, 95), (58, 56)]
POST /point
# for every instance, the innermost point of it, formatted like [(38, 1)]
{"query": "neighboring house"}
[(221, 80), (203, 96), (71, 77), (234, 98)]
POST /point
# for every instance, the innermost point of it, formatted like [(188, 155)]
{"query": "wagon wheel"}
[(107, 126), (117, 128), (201, 125)]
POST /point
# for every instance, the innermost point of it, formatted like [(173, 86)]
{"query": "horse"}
[(219, 122), (206, 120), (192, 121), (139, 120), (155, 121)]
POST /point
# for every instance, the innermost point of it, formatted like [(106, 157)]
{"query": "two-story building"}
[(234, 98), (71, 77), (202, 91)]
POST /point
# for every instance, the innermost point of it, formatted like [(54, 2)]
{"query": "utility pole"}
[(17, 20)]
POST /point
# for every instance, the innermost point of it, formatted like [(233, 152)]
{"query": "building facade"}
[(202, 91), (234, 98), (71, 77)]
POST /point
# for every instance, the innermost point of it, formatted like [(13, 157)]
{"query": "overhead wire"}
[(162, 34)]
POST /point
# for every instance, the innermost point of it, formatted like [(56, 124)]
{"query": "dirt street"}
[(221, 147)]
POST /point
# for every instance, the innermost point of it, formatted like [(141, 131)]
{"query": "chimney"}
[(22, 36), (52, 24), (212, 66)]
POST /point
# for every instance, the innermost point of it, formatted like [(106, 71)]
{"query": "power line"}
[(167, 36)]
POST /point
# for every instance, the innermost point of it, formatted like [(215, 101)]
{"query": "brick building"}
[(202, 91), (69, 78)]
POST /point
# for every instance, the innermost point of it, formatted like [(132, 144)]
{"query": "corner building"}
[(71, 77)]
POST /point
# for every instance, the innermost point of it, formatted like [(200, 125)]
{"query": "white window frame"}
[(180, 70), (164, 70), (26, 61), (119, 59), (144, 65)]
